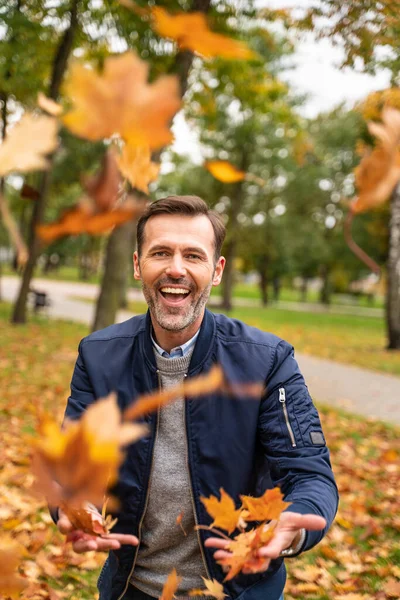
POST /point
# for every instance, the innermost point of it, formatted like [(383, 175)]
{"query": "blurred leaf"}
[(224, 171), (170, 586), (49, 106), (135, 164)]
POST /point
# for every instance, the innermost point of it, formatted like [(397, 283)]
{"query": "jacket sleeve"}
[(294, 444), (82, 393)]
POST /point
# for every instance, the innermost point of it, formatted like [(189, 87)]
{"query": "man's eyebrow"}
[(196, 250), (159, 247)]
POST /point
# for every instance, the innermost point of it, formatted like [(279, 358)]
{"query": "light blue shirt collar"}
[(179, 351)]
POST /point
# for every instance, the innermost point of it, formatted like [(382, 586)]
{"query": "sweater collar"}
[(202, 347)]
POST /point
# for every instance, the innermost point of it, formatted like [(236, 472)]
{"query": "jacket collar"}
[(202, 349)]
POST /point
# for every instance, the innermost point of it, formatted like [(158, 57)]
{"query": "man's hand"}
[(288, 528), (83, 542)]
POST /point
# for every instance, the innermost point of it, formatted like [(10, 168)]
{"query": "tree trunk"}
[(393, 269), (263, 283), (304, 289), (325, 292), (59, 68), (228, 278), (118, 261), (276, 286)]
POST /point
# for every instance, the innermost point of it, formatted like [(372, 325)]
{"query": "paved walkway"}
[(354, 389)]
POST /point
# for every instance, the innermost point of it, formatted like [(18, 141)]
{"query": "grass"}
[(360, 555)]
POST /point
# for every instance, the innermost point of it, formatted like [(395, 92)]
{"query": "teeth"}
[(168, 290)]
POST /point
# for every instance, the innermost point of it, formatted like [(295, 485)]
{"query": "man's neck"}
[(171, 339)]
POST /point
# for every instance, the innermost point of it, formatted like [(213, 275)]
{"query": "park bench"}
[(41, 300)]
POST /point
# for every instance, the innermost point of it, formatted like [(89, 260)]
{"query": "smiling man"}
[(199, 446)]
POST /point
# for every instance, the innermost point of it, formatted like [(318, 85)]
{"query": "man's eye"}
[(193, 256), (160, 253)]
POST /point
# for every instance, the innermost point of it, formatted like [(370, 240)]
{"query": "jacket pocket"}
[(282, 400)]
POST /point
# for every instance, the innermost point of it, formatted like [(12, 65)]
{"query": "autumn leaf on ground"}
[(224, 171), (379, 171), (170, 586), (49, 105), (84, 457), (135, 164), (223, 511), (191, 32), (266, 507), (120, 101), (27, 144), (196, 386), (11, 584)]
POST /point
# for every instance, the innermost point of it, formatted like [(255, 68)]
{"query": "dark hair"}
[(190, 206)]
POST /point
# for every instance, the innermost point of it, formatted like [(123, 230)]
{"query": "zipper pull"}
[(282, 395)]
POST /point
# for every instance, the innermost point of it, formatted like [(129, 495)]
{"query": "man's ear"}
[(136, 268), (219, 269)]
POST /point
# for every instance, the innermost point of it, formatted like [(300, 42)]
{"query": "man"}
[(201, 445)]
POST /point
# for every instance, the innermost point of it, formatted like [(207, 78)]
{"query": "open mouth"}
[(174, 295)]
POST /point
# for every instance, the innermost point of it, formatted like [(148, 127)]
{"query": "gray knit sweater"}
[(163, 543)]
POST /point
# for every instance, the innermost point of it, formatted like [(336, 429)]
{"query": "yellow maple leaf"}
[(379, 170), (120, 101), (223, 511), (27, 144), (266, 507), (135, 164), (214, 588), (191, 32), (84, 457), (170, 586), (224, 171)]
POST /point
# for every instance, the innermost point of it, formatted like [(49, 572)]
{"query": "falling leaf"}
[(135, 164), (10, 555), (84, 457), (49, 105), (197, 386), (170, 586), (179, 522), (224, 171), (191, 32), (214, 588), (27, 144), (120, 101), (103, 187), (265, 508), (223, 511), (379, 170)]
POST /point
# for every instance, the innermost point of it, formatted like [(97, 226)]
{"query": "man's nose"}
[(176, 267)]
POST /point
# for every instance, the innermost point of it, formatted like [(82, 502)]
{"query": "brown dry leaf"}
[(11, 584), (379, 171), (170, 586), (84, 457), (120, 101), (103, 187), (191, 32), (265, 508), (308, 573), (49, 105), (88, 519), (135, 164), (224, 171), (392, 588), (223, 511), (28, 143), (197, 386)]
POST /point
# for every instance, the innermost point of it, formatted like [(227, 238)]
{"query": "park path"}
[(357, 390)]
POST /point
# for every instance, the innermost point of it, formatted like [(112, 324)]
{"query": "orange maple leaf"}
[(170, 586), (265, 508), (224, 171), (84, 457), (11, 585), (213, 588), (191, 32), (244, 550), (119, 101), (135, 164), (379, 170), (223, 511)]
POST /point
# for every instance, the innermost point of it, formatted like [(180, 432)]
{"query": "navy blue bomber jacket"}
[(242, 445)]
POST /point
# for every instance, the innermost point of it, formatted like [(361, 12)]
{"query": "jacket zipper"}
[(146, 500), (282, 400), (192, 495)]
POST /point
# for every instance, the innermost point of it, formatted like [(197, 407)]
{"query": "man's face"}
[(177, 269)]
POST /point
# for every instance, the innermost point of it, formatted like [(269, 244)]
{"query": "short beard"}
[(178, 322)]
